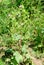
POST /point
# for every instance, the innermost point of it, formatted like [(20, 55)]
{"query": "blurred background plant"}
[(22, 20)]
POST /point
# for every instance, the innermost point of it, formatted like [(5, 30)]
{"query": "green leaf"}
[(1, 62), (13, 60), (18, 57), (24, 48), (16, 37)]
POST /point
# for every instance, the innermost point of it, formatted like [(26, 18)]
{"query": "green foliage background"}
[(22, 20)]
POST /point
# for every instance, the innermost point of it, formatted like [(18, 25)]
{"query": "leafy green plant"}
[(22, 20)]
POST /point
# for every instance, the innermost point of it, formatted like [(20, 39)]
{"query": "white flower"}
[(9, 15), (21, 6)]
